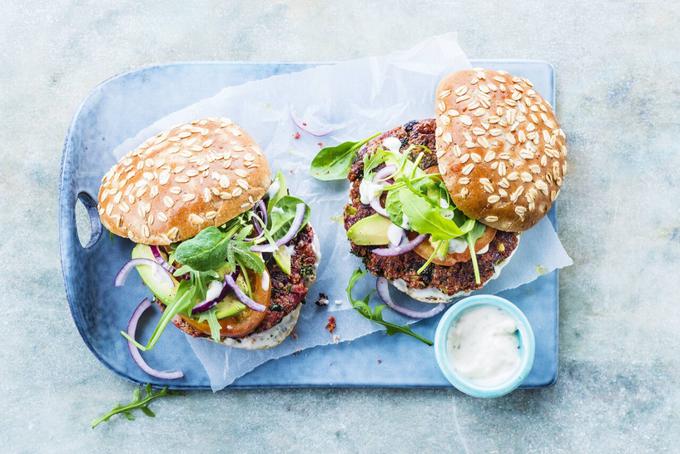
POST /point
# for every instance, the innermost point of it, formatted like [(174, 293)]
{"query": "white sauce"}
[(395, 234), (290, 250), (483, 250), (404, 222), (214, 290), (273, 189), (265, 281), (392, 143), (369, 191), (443, 203), (483, 346), (456, 246)]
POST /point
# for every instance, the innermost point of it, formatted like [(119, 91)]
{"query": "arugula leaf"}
[(282, 216), (393, 207), (215, 327), (362, 306), (472, 237), (138, 403), (280, 193), (185, 298), (245, 257), (333, 163), (373, 160), (205, 251), (426, 218)]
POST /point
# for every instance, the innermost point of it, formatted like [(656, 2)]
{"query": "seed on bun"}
[(501, 152), (181, 181)]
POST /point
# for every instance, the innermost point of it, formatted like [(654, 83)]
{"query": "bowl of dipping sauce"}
[(484, 346)]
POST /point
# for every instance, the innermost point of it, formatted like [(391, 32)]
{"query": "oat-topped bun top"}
[(501, 151), (183, 180)]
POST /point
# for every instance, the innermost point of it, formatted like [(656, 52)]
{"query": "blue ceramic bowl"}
[(527, 346)]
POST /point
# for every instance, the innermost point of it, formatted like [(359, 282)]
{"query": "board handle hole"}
[(88, 225)]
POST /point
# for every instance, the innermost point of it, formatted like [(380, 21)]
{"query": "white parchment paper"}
[(360, 97)]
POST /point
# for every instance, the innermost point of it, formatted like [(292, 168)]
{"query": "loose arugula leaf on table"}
[(333, 163), (375, 314), (138, 403), (282, 215), (472, 237)]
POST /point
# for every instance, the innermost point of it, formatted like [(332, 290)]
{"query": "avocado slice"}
[(370, 231), (149, 275), (229, 307), (282, 258)]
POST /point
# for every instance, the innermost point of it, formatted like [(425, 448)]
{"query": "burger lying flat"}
[(227, 253), (437, 206)]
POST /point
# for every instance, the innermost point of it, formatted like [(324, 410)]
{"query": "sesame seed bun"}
[(501, 152), (181, 181)]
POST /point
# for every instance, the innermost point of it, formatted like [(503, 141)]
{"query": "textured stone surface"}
[(617, 68)]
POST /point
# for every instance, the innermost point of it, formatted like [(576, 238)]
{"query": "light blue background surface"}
[(617, 64)]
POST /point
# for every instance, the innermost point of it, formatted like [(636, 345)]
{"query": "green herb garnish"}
[(472, 237), (375, 314), (139, 402), (333, 163)]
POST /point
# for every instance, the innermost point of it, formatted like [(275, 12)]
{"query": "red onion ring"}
[(383, 288), (300, 210), (242, 296), (377, 207), (125, 270), (208, 304), (259, 206), (137, 356), (401, 249), (159, 258), (304, 125), (385, 173)]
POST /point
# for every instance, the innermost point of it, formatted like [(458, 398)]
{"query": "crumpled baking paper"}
[(359, 98)]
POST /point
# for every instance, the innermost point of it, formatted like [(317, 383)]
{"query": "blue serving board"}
[(110, 115)]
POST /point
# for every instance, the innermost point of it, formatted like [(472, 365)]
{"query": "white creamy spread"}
[(369, 191), (273, 189), (395, 234), (290, 250), (404, 222), (483, 346), (265, 281), (483, 250), (214, 290), (456, 246), (392, 143)]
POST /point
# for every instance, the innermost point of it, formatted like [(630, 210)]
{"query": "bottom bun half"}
[(433, 295)]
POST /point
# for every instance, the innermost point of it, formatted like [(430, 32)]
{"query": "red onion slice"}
[(300, 210), (262, 215), (384, 293), (401, 249), (159, 258), (377, 207), (318, 131), (125, 270), (242, 296), (385, 173), (137, 356), (209, 303)]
